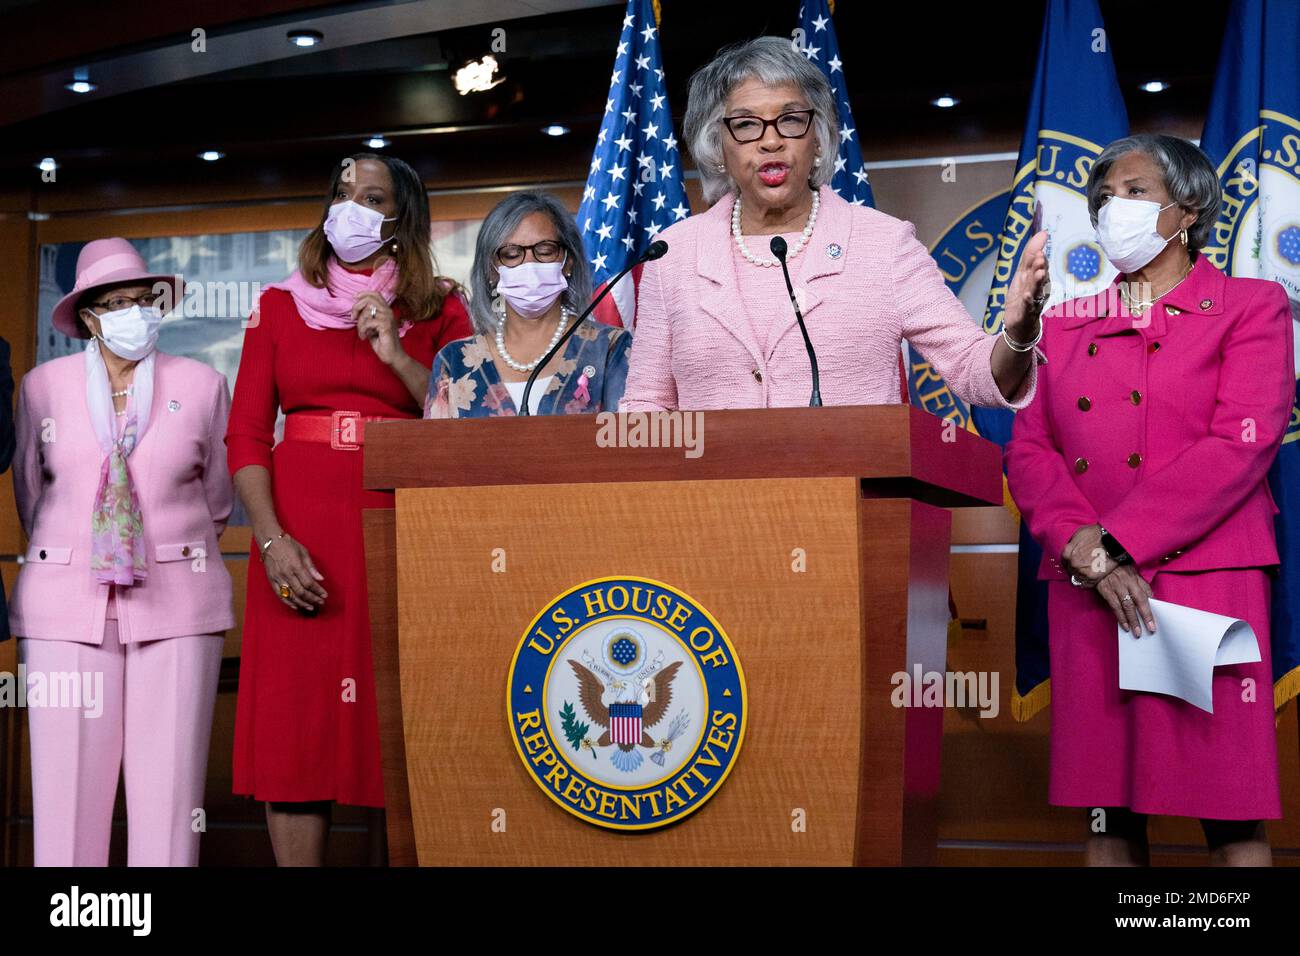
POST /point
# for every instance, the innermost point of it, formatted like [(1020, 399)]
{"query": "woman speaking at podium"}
[(715, 324), (346, 339), (529, 281), (1141, 469)]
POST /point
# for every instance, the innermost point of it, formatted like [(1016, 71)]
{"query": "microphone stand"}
[(778, 248)]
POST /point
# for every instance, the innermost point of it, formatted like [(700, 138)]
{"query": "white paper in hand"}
[(1180, 657)]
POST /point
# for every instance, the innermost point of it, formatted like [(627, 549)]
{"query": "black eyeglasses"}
[(748, 129), (116, 303), (548, 250)]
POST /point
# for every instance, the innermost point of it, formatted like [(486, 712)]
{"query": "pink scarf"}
[(330, 307)]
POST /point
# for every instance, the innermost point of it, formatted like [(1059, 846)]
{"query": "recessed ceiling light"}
[(476, 76), (47, 165), (376, 142), (555, 129), (81, 86), (211, 155), (305, 37), (945, 102), (1155, 86)]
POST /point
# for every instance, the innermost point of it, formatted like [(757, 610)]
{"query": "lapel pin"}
[(589, 371), (1206, 304), (834, 250), (173, 405)]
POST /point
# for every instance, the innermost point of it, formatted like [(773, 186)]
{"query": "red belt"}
[(345, 431)]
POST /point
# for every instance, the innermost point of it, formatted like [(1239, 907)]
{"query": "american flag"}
[(625, 721), (817, 42), (819, 45), (634, 186)]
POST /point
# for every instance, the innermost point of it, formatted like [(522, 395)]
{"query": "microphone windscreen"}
[(777, 245), (656, 250)]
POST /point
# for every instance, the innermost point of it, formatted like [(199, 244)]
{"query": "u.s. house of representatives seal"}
[(627, 703)]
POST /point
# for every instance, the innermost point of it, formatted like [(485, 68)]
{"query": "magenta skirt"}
[(1149, 752)]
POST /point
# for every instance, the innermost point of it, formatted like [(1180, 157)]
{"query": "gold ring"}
[(284, 590)]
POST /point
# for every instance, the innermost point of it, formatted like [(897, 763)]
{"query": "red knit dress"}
[(300, 735)]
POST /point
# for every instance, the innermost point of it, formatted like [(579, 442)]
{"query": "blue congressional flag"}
[(1252, 133), (820, 46), (1075, 110), (634, 186)]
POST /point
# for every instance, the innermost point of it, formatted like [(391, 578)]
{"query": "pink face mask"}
[(354, 231), (531, 288)]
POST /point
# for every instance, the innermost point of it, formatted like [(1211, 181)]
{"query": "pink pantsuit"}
[(1162, 429), (152, 650)]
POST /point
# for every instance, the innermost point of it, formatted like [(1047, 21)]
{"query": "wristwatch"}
[(1114, 550)]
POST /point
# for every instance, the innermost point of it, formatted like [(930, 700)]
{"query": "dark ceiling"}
[(281, 124)]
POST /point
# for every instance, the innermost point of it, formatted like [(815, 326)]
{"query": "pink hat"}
[(105, 262)]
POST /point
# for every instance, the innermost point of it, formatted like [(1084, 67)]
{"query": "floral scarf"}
[(116, 523)]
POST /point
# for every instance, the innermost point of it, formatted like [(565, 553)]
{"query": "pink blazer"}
[(179, 472), (1162, 429), (866, 283)]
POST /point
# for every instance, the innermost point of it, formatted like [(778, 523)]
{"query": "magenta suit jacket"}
[(693, 348), (179, 472), (1161, 428)]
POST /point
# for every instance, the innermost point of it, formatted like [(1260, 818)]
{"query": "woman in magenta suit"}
[(347, 339), (121, 484), (1141, 469), (715, 327)]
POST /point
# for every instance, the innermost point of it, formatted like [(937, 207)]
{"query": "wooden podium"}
[(817, 538)]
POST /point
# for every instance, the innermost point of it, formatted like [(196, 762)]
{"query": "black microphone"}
[(655, 250), (777, 246)]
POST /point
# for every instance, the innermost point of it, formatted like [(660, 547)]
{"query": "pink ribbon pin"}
[(581, 393)]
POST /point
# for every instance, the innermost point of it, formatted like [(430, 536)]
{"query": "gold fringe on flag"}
[(1284, 688), (831, 4), (1009, 501), (656, 6), (1023, 708)]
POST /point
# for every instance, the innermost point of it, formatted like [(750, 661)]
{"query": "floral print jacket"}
[(464, 382)]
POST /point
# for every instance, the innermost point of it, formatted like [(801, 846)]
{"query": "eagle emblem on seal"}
[(627, 697)]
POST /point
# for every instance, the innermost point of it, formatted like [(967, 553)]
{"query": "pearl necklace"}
[(794, 250), (565, 315)]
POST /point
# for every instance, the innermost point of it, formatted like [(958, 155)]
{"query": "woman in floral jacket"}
[(530, 280)]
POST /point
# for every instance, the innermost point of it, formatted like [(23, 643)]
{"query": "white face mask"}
[(1127, 232), (354, 231), (532, 287), (131, 333)]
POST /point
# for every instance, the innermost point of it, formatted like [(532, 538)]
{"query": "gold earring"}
[(1183, 236)]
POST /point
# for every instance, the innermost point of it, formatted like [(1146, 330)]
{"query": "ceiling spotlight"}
[(476, 76), (1155, 86), (305, 37), (555, 129), (945, 102), (47, 165), (376, 142), (211, 155), (80, 86)]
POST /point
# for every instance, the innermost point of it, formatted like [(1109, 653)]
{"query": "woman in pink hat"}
[(122, 489)]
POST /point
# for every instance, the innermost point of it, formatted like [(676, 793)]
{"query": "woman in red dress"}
[(348, 338)]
